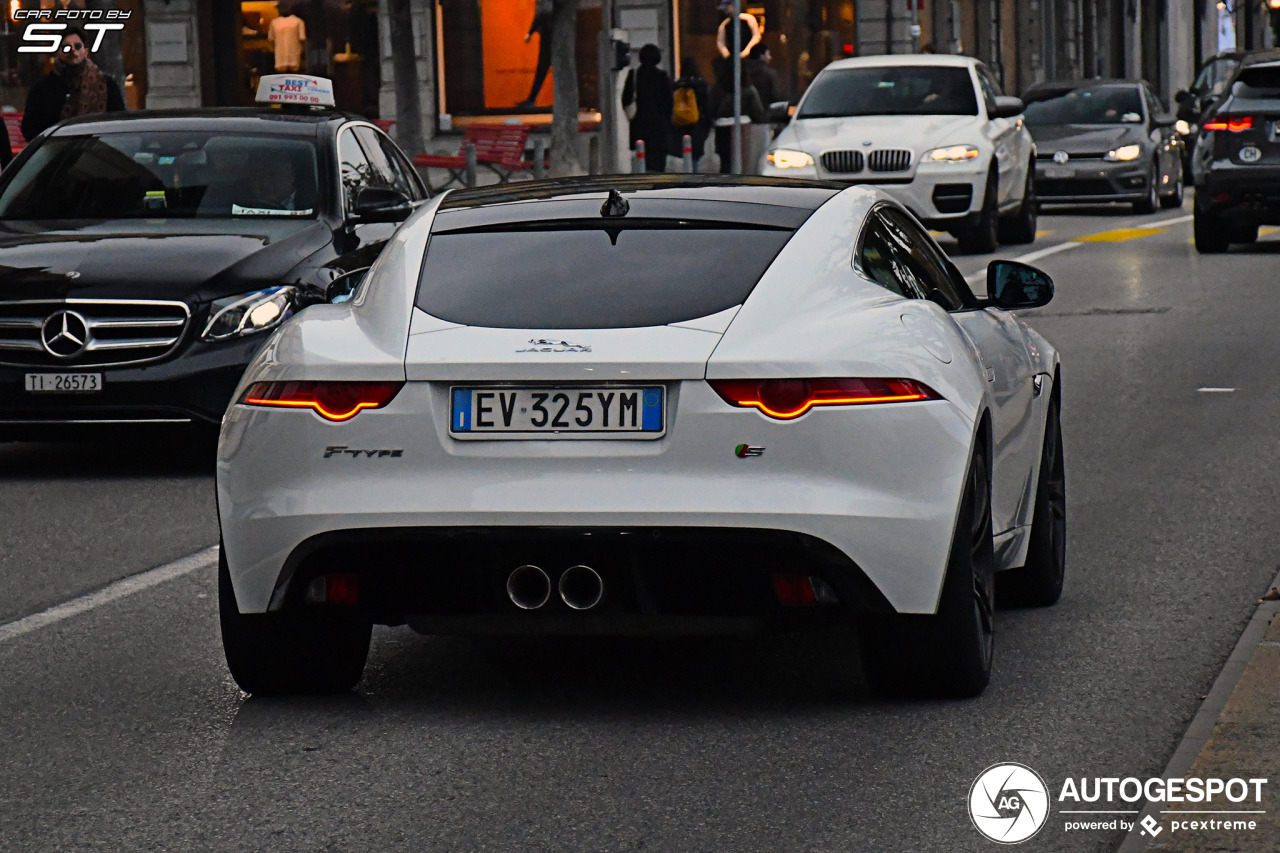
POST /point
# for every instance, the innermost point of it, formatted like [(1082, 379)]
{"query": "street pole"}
[(736, 157), (608, 143)]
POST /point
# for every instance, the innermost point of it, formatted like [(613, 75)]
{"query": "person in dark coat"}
[(699, 131), (75, 87), (752, 110), (649, 88), (763, 77)]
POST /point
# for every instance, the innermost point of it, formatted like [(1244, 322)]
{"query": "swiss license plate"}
[(1057, 173), (558, 412), (64, 383)]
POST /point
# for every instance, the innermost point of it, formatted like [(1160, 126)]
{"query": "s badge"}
[(743, 451)]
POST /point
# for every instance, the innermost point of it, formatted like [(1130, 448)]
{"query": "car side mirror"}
[(1012, 285), (1164, 120), (344, 286), (381, 204), (1008, 107)]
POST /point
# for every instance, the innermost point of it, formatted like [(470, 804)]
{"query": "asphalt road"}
[(122, 730)]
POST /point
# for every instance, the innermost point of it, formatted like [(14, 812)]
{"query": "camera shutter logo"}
[(1008, 803)]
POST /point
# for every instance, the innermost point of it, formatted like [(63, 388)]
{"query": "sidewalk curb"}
[(1206, 719)]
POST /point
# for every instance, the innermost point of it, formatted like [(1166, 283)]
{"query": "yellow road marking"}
[(1040, 234), (1119, 235), (1262, 232)]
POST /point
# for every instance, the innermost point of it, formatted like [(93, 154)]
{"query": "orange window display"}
[(511, 63)]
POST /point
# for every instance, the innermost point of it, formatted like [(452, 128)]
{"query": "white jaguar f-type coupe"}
[(647, 404)]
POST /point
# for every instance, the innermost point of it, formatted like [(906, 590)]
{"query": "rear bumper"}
[(879, 485), (454, 580), (1245, 195)]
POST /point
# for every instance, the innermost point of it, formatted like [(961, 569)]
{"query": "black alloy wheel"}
[(316, 650), (1174, 199), (1152, 201), (1039, 582), (948, 654), (1020, 229), (983, 237), (1211, 234)]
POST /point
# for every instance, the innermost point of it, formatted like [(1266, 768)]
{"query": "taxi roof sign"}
[(300, 89)]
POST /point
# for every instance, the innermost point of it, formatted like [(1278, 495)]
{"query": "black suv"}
[(1237, 158)]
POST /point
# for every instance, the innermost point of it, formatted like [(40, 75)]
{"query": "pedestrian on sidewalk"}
[(697, 101), (752, 111), (75, 87), (649, 88)]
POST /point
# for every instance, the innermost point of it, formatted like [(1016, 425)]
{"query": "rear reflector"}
[(791, 398), (333, 401), (803, 590), (337, 588)]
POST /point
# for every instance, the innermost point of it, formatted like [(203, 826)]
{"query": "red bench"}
[(13, 123), (499, 148)]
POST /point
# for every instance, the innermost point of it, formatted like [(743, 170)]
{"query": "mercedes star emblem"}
[(1061, 157), (65, 334)]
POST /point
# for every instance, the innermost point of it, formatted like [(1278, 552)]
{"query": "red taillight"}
[(791, 398), (1235, 124), (333, 401)]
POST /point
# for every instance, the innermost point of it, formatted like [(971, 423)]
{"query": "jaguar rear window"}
[(593, 275)]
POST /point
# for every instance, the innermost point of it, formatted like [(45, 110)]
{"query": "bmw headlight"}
[(249, 313), (952, 154), (785, 158), (1124, 154)]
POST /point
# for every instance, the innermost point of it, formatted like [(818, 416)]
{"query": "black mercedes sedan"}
[(1104, 141), (144, 255)]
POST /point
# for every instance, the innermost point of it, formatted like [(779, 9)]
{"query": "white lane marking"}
[(1030, 257), (1216, 390), (120, 589)]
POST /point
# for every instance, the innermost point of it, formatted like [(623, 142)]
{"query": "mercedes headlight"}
[(1182, 128), (785, 158), (249, 313), (1124, 153), (952, 154)]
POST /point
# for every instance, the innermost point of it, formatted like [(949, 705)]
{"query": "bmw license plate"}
[(558, 412), (63, 383)]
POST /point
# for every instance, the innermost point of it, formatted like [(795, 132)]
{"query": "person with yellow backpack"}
[(691, 109)]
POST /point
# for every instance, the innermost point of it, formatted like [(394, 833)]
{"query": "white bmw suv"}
[(933, 131)]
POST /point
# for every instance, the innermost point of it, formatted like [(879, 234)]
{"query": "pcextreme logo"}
[(1009, 803)]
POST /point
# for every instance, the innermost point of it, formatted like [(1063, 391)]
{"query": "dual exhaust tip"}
[(580, 587)]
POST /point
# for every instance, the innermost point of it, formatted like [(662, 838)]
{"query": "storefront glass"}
[(495, 60), (337, 39)]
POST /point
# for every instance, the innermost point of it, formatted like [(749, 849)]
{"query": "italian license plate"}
[(64, 383), (1058, 173), (558, 412)]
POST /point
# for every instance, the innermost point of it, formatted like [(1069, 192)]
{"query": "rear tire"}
[(301, 651), (949, 653), (1211, 235), (1039, 582), (983, 238), (1021, 228)]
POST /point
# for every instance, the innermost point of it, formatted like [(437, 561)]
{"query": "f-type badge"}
[(544, 345), (65, 334), (745, 451)]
